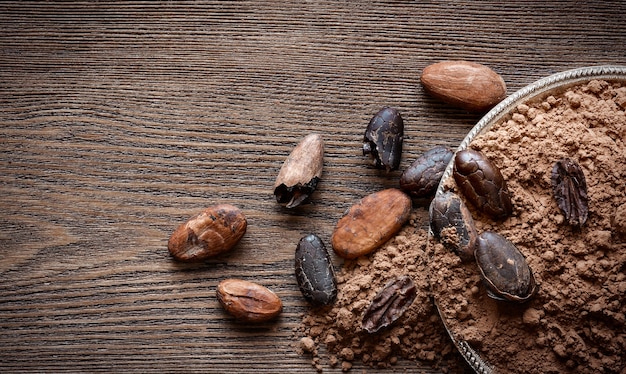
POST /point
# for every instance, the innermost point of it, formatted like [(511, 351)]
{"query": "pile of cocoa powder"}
[(334, 336), (577, 321)]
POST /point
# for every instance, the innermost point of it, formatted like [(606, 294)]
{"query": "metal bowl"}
[(539, 90)]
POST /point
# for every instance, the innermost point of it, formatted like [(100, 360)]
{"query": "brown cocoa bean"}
[(248, 301), (370, 223), (464, 84), (214, 231)]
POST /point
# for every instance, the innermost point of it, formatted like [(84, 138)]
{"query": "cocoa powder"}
[(577, 321)]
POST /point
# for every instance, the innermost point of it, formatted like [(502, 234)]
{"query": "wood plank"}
[(119, 120)]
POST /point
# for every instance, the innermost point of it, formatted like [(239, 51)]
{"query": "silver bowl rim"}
[(539, 89)]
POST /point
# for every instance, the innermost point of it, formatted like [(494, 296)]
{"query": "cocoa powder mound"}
[(334, 335), (577, 321)]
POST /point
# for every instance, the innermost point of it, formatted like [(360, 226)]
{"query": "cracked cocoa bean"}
[(570, 191), (300, 173), (383, 139), (452, 223), (389, 304)]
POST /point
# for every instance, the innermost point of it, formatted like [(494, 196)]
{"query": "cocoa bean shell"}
[(569, 188), (389, 304)]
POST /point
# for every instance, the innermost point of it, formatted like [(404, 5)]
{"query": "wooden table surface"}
[(118, 121)]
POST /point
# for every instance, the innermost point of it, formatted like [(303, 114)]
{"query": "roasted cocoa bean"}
[(482, 184), (383, 139), (452, 223), (389, 304), (422, 177), (504, 270), (570, 191), (314, 271)]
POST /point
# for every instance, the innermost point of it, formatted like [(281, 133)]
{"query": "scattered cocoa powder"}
[(450, 237), (417, 335), (577, 321)]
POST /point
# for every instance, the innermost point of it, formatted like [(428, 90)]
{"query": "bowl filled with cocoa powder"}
[(543, 172)]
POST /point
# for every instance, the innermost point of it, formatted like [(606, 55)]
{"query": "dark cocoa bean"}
[(504, 270), (482, 184), (383, 139), (389, 304), (570, 191), (422, 177), (452, 223), (314, 271)]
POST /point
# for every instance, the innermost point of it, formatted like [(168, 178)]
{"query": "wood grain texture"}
[(120, 120)]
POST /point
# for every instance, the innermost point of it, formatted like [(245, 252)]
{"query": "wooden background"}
[(120, 120)]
